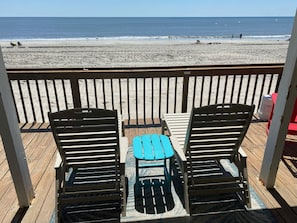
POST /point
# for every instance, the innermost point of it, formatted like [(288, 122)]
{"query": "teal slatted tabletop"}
[(153, 147)]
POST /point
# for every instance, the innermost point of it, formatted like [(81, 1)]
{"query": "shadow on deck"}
[(154, 200), (156, 203)]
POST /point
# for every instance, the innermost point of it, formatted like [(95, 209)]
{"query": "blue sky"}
[(148, 8)]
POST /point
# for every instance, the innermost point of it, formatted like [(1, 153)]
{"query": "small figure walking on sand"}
[(240, 35)]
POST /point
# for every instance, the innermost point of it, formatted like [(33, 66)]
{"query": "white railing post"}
[(287, 93), (12, 141)]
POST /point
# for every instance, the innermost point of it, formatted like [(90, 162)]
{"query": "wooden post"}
[(185, 91), (287, 94), (75, 92), (11, 138)]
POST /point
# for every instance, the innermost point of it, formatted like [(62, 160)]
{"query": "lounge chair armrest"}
[(123, 156), (60, 172), (240, 161), (58, 162), (178, 148), (242, 153), (123, 149)]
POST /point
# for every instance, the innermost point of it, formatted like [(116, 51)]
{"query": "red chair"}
[(292, 128)]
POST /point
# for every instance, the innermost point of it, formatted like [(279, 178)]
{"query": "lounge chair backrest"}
[(88, 137), (216, 131)]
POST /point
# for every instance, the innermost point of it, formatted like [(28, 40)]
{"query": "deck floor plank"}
[(40, 151)]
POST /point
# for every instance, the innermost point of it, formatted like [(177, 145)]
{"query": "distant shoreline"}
[(156, 39), (74, 42), (129, 53)]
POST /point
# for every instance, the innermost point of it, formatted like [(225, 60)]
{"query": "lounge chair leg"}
[(167, 173), (137, 170)]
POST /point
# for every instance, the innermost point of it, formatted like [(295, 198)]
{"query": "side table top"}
[(152, 147)]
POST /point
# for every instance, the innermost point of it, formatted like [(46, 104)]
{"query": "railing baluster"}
[(232, 88), (225, 88), (201, 92), (144, 110), (104, 93), (277, 82), (262, 89), (209, 90), (23, 102), (40, 101), (153, 100), (31, 100), (47, 95), (95, 92), (136, 100), (56, 95), (218, 88), (254, 91), (167, 96), (120, 89), (270, 84), (247, 89), (14, 101), (128, 101), (64, 94), (175, 96), (160, 95), (185, 91), (112, 94), (239, 88), (87, 92), (194, 91)]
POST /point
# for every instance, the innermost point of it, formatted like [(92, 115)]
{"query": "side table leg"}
[(167, 173), (137, 170)]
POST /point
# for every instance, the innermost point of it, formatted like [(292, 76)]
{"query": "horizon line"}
[(266, 16)]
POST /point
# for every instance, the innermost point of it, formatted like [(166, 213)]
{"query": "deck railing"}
[(141, 94)]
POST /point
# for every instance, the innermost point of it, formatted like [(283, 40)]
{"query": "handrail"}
[(141, 94)]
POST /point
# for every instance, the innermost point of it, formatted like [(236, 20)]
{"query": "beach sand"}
[(127, 53), (141, 53)]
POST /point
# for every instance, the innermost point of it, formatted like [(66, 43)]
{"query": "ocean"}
[(27, 28)]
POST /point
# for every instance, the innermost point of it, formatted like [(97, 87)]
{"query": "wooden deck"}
[(40, 149)]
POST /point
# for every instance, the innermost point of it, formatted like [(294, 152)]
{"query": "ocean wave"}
[(170, 37), (281, 37)]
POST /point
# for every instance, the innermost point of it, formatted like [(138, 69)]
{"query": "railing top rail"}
[(68, 73), (149, 68)]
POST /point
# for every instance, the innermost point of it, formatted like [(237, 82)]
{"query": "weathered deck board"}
[(284, 208), (40, 150)]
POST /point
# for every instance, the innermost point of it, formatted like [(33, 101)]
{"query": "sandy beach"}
[(141, 53), (126, 53)]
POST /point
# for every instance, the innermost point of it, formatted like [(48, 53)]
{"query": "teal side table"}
[(153, 147)]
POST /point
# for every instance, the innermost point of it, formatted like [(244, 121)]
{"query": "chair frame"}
[(83, 138), (208, 126)]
